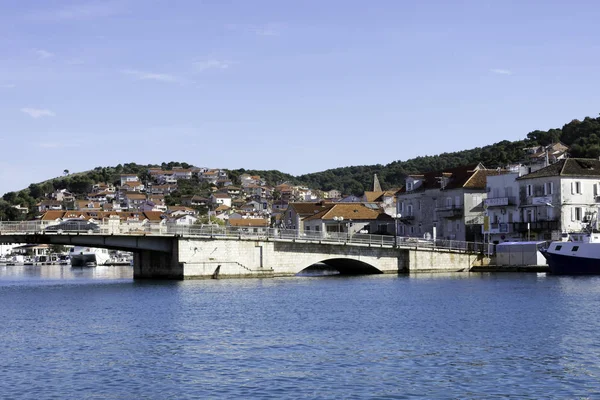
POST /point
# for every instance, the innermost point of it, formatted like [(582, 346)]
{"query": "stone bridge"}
[(184, 253)]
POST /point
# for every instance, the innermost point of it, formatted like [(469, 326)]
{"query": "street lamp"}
[(339, 221), (396, 217)]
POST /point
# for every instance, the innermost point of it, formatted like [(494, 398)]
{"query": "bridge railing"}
[(214, 231)]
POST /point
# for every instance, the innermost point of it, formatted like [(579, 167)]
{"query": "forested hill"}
[(583, 137)]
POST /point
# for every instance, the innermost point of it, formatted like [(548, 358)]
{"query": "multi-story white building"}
[(562, 197), (502, 208)]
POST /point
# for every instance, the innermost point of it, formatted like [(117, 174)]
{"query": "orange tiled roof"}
[(249, 222), (349, 211)]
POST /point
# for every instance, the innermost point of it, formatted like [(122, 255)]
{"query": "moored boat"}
[(577, 254), (88, 256)]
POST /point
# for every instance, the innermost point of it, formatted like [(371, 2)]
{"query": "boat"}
[(82, 256), (575, 254)]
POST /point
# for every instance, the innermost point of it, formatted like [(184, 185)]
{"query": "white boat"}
[(82, 256), (576, 254)]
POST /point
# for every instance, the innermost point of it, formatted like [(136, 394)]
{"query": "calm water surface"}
[(96, 334)]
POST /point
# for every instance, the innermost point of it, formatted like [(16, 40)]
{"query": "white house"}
[(125, 178), (562, 197), (185, 219), (220, 199), (502, 208)]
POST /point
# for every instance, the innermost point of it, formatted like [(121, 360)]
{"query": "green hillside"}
[(582, 136)]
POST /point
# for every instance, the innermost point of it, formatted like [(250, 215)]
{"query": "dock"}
[(510, 268)]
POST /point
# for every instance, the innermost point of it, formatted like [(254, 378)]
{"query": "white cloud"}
[(8, 86), (144, 75), (202, 66), (37, 112), (43, 54), (81, 11), (500, 71)]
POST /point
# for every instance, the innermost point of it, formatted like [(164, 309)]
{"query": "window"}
[(548, 188), (448, 202), (576, 187), (575, 248), (558, 247), (549, 213), (409, 210), (576, 214), (409, 186), (412, 230), (529, 190), (457, 201)]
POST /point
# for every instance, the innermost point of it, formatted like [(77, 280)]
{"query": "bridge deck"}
[(9, 231)]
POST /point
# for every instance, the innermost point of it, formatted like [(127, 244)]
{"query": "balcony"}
[(500, 201), (537, 226), (450, 212), (406, 219), (475, 221), (537, 201)]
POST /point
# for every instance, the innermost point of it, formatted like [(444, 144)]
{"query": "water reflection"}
[(63, 272)]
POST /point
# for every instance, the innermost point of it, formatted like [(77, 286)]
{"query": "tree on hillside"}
[(9, 213), (10, 197)]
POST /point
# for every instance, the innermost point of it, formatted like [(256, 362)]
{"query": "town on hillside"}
[(538, 199)]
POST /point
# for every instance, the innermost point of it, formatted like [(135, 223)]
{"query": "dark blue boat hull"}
[(569, 265)]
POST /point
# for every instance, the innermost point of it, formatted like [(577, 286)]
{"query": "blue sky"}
[(298, 86)]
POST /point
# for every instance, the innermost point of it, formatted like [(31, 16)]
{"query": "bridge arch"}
[(343, 266)]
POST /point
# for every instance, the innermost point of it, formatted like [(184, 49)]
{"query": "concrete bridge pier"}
[(148, 264)]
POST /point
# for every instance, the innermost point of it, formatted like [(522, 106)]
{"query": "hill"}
[(583, 138)]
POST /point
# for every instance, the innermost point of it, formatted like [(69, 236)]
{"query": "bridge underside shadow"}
[(340, 266)]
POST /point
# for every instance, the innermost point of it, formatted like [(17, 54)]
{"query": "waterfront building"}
[(349, 218), (562, 197), (445, 204), (501, 223), (296, 211)]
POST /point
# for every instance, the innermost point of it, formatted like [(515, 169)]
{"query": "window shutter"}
[(572, 213), (572, 188), (551, 188)]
